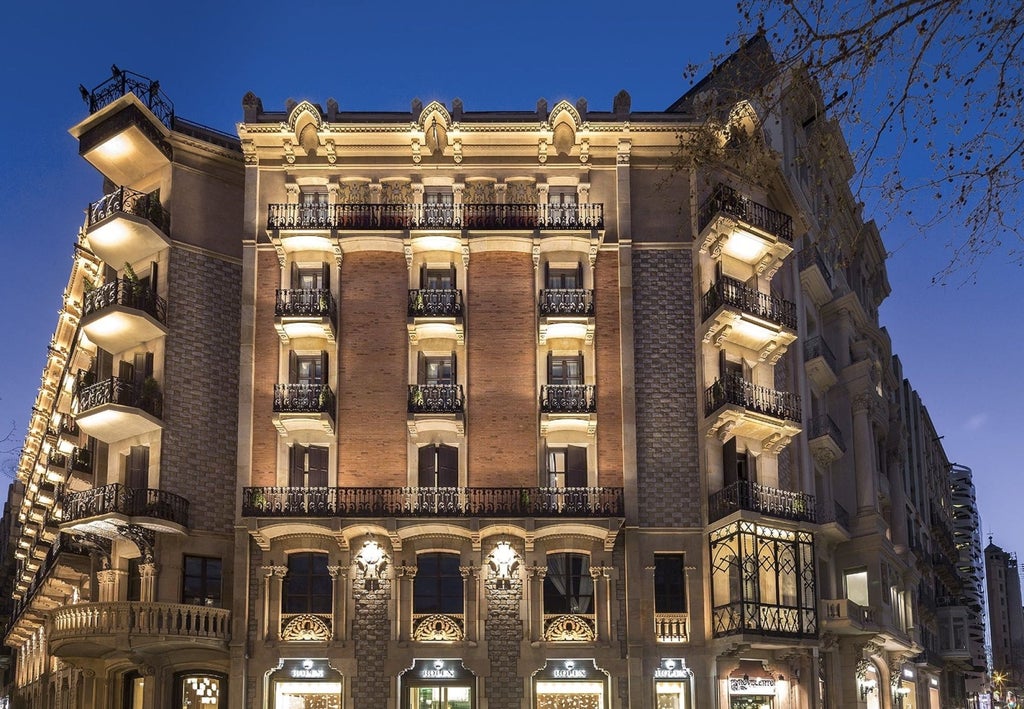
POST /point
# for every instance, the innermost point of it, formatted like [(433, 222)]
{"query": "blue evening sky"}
[(381, 55)]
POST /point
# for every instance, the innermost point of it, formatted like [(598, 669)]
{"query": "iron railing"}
[(432, 502), (817, 347), (834, 513), (116, 390), (435, 399), (81, 460), (125, 200), (729, 291), (734, 389), (303, 399), (726, 200), (435, 303), (824, 426), (318, 215), (129, 501), (129, 293), (566, 301), (305, 303), (568, 398), (763, 619), (810, 256), (128, 82), (754, 497)]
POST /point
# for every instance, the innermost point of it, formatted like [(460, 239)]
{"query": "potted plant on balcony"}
[(150, 397)]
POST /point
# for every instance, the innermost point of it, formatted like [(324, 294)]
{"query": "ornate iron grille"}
[(130, 294), (435, 302), (303, 399), (734, 389), (726, 200), (747, 495), (435, 398), (121, 499), (566, 301), (824, 426), (128, 82), (817, 347), (810, 256), (125, 200), (568, 398), (729, 291), (116, 390), (305, 303)]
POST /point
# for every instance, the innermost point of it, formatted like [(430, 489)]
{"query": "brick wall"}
[(608, 369), (267, 348)]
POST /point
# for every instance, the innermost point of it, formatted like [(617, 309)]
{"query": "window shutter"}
[(421, 368), (140, 371), (550, 362), (452, 281), (147, 366), (751, 467), (547, 275), (295, 276), (324, 371), (722, 364), (455, 372), (423, 275), (326, 276), (576, 467), (447, 466), (579, 275), (729, 460), (297, 466), (427, 471), (137, 475), (318, 466), (293, 367), (153, 274), (126, 370)]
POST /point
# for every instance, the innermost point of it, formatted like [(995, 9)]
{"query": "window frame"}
[(206, 580), (317, 571), (436, 600)]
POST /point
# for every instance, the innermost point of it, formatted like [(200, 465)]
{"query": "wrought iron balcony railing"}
[(763, 619), (817, 347), (726, 200), (754, 497), (734, 389), (435, 399), (305, 303), (128, 82), (125, 200), (810, 256), (129, 293), (834, 513), (734, 293), (568, 398), (116, 390), (566, 301), (123, 500), (433, 216), (432, 502), (824, 426), (303, 399), (435, 303)]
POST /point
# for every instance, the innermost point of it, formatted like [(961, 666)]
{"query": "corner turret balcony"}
[(303, 407), (302, 502), (820, 364), (764, 500), (747, 317), (127, 226), (125, 135), (731, 223), (435, 312), (566, 312), (98, 629), (115, 409), (103, 510), (748, 409), (815, 276), (305, 313), (123, 313)]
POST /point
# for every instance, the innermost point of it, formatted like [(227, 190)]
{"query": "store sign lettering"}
[(752, 685), (308, 670), (672, 669), (569, 674), (441, 673)]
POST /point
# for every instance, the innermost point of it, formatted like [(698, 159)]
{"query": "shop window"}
[(307, 586), (201, 581), (569, 598), (200, 690)]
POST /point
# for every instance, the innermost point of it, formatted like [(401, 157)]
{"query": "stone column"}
[(405, 577), (107, 582), (864, 454), (602, 611), (273, 579), (470, 602), (535, 601), (340, 602), (147, 578)]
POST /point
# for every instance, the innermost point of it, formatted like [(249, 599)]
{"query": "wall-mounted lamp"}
[(867, 686), (372, 562), (899, 694), (504, 564)]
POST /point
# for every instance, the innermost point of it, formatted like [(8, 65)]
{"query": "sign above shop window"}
[(751, 685), (570, 669), (673, 668), (308, 669), (438, 669)]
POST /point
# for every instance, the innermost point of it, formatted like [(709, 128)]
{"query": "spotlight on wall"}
[(504, 563), (867, 686)]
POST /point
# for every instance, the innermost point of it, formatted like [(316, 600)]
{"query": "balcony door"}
[(438, 208), (308, 478), (567, 466), (559, 278), (737, 466), (438, 478), (311, 279), (307, 370), (565, 370)]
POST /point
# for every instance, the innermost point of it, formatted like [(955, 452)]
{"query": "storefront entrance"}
[(750, 687), (305, 684), (570, 684), (441, 697), (438, 684), (673, 685)]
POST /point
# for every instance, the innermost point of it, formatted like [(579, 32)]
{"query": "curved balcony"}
[(820, 363), (566, 312), (115, 408), (102, 510), (124, 136), (127, 226), (435, 312), (305, 313), (121, 314), (759, 321), (730, 222), (303, 407), (98, 629), (747, 409), (432, 502), (769, 501)]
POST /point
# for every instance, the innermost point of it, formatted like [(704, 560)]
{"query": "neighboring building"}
[(459, 409), (1005, 615)]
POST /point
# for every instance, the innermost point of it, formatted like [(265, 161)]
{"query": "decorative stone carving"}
[(438, 628), (569, 628), (306, 627)]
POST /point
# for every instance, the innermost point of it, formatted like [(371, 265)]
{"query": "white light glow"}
[(745, 247)]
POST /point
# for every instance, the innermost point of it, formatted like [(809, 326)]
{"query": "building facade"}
[(446, 408), (1006, 620)]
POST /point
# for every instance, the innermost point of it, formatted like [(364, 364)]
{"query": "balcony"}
[(825, 440), (102, 510), (815, 276), (449, 217), (122, 314), (435, 312), (127, 226), (769, 501), (64, 564), (759, 321), (748, 409), (124, 136), (303, 407), (98, 629), (742, 617), (820, 364), (672, 627), (115, 408), (566, 312), (834, 521), (568, 407), (305, 313), (844, 617), (435, 408), (731, 223), (576, 502)]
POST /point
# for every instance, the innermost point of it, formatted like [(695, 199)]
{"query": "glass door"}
[(441, 697)]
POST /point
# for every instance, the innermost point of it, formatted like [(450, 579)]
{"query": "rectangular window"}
[(437, 370), (856, 582), (567, 466), (438, 585), (565, 369), (310, 370), (669, 583), (307, 586), (201, 581), (568, 586), (308, 466)]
